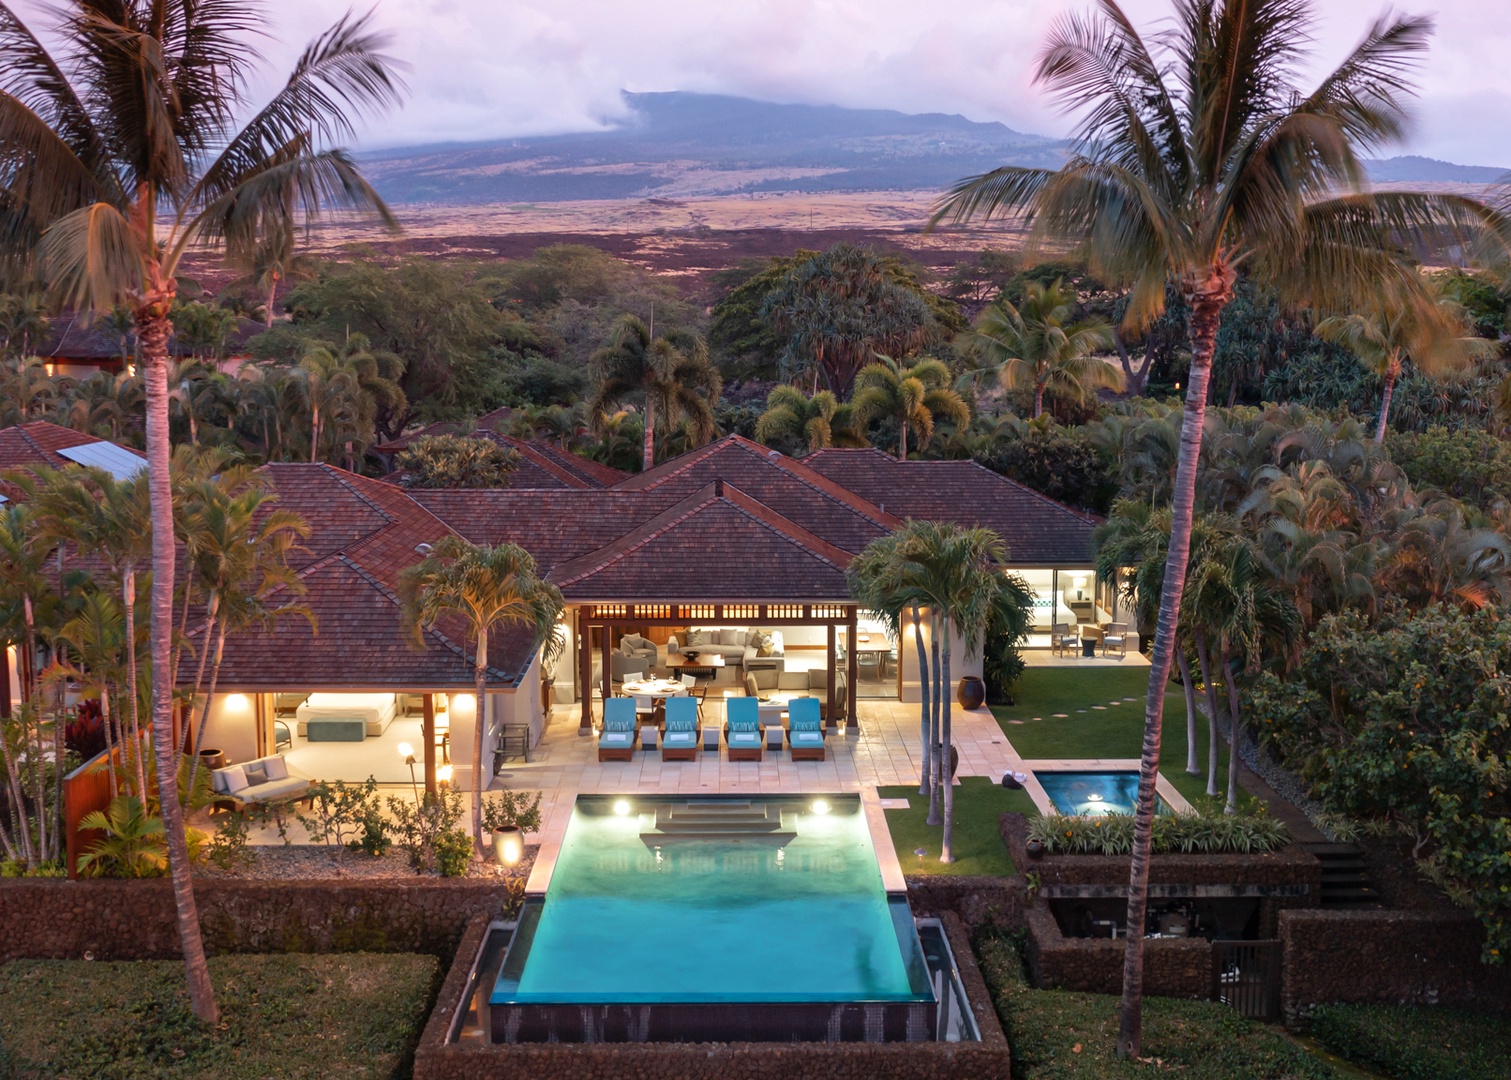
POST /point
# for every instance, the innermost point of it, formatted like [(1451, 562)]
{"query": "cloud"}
[(483, 69)]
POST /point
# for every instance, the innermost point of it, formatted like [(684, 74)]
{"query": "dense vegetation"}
[(1404, 1042)]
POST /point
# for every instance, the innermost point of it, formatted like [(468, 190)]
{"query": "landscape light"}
[(820, 806), (1093, 798), (405, 750), (513, 848), (443, 774), (621, 807)]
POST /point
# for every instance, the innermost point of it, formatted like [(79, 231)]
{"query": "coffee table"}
[(706, 667)]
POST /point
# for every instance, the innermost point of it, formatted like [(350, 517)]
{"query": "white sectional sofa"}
[(742, 646)]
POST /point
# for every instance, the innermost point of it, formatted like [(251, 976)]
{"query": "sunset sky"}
[(483, 69)]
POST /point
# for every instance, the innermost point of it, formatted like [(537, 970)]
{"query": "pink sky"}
[(483, 69)]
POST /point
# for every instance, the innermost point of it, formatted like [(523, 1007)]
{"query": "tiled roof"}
[(789, 487), (364, 533), (718, 544), (71, 336), (1038, 530), (38, 442)]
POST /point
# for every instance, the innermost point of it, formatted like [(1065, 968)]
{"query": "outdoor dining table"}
[(647, 693)]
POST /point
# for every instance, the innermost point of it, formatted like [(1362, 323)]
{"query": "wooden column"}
[(608, 690), (852, 671), (584, 673), (832, 688), (427, 736)]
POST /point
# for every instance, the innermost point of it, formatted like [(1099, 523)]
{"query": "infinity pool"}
[(663, 900), (1093, 794)]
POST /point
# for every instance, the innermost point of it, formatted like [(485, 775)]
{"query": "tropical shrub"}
[(341, 815), (1467, 463), (1060, 462), (1406, 719), (453, 853), (1407, 1042), (512, 809), (1206, 832), (456, 461), (229, 850), (428, 831), (132, 846)]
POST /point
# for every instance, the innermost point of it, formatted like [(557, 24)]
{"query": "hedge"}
[(1406, 1042)]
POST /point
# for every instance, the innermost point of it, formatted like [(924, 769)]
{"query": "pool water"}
[(715, 900), (1093, 794)]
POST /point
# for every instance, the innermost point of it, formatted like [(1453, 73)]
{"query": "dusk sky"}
[(483, 69)]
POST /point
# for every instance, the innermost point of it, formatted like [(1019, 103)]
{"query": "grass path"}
[(978, 845)]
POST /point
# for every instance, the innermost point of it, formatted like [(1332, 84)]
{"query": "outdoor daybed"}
[(742, 731), (263, 782), (680, 743), (617, 743), (805, 732)]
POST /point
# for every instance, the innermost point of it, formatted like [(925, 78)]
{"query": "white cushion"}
[(277, 768), (235, 779), (732, 637)]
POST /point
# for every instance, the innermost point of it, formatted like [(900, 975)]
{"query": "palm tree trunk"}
[(1206, 298), (1235, 759), (128, 597), (925, 695), (480, 679), (935, 765), (648, 458), (153, 330), (1390, 388), (946, 845), (902, 441), (1214, 737), (204, 714), (13, 777), (314, 433), (1038, 400), (1193, 761)]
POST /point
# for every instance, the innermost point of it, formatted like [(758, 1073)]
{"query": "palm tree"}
[(1035, 346), (1188, 167), (22, 584), (916, 397), (126, 153), (345, 387), (1416, 322), (671, 375), (818, 422), (484, 586)]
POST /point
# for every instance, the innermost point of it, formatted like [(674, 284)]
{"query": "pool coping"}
[(892, 880), (1045, 805)]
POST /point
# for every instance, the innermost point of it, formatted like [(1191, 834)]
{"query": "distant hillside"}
[(1409, 169), (683, 145)]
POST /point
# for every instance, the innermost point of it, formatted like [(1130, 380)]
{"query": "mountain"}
[(1421, 170), (682, 144)]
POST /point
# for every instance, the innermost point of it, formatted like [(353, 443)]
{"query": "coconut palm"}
[(124, 154), (344, 388), (1035, 346), (1415, 322), (482, 586), (22, 585), (1191, 162), (917, 397), (818, 422), (671, 376)]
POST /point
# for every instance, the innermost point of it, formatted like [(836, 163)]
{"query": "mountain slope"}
[(681, 144)]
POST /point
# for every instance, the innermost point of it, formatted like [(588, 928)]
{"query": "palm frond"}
[(93, 258), (1364, 92)]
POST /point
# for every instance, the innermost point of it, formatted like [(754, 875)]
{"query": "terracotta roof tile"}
[(1038, 530)]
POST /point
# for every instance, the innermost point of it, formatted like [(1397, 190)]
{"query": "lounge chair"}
[(805, 729), (1115, 639), (680, 743), (742, 731), (617, 743)]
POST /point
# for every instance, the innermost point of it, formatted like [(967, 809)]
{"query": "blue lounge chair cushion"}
[(744, 713), (680, 711), (681, 723), (619, 723), (804, 709), (680, 738), (617, 738), (619, 714), (807, 738), (744, 738), (807, 723), (742, 725)]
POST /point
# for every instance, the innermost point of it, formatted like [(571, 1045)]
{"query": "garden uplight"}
[(621, 807)]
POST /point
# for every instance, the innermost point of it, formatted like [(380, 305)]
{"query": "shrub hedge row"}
[(1415, 1043)]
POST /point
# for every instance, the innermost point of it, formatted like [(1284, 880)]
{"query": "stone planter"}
[(971, 693), (508, 846)]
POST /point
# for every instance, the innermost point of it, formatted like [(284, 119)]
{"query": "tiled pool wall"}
[(439, 1058)]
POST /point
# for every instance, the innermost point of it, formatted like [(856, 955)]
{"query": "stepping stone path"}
[(1132, 698), (1019, 721), (1062, 716), (1080, 710), (1114, 703), (1100, 708), (1038, 718)]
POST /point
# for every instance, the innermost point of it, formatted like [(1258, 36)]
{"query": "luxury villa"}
[(724, 567)]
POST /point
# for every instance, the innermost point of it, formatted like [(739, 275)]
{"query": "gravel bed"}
[(307, 862)]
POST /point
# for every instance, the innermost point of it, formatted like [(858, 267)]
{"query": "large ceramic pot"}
[(212, 759), (972, 692), (1035, 849), (508, 845)]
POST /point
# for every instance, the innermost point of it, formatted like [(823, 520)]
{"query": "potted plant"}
[(508, 817)]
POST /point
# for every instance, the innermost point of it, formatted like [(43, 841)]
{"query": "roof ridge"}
[(1084, 515)]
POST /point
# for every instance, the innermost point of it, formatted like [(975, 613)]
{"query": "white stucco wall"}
[(232, 726), (961, 664)]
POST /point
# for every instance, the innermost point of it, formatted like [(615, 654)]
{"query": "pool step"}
[(718, 821)]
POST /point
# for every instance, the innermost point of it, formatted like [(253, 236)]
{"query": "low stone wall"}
[(51, 918), (436, 1059), (1172, 968), (1387, 957), (977, 901), (1289, 878)]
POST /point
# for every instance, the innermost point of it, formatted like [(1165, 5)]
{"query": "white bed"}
[(1042, 619), (378, 710)]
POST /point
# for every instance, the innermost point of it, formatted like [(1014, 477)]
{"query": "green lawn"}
[(1058, 1035), (1406, 1042), (1117, 732), (978, 844), (286, 1016)]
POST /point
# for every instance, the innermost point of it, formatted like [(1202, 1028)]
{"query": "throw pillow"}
[(276, 768), (765, 645), (672, 645), (731, 637), (752, 637), (695, 638), (235, 779), (257, 772)]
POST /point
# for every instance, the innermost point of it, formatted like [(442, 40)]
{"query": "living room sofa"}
[(747, 647), (262, 782)]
